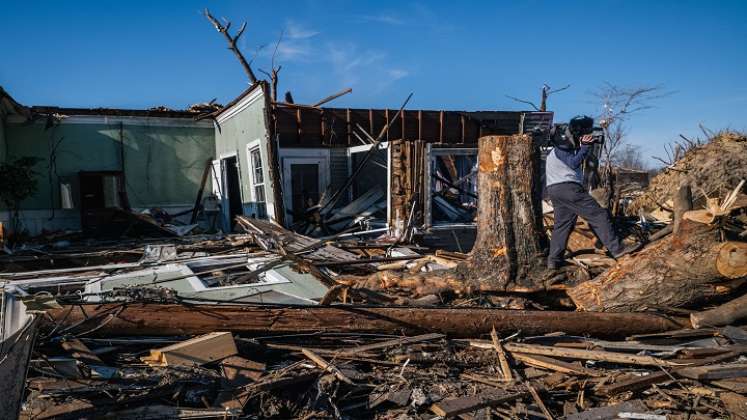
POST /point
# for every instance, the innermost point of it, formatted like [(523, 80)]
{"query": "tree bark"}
[(725, 314), (171, 319), (510, 241), (679, 270), (682, 202)]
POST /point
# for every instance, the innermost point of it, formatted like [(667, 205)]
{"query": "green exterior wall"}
[(237, 131), (164, 158)]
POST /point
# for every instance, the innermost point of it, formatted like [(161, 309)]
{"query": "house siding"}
[(240, 125), (163, 161)]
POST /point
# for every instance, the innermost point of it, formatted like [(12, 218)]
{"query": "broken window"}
[(258, 180), (453, 186)]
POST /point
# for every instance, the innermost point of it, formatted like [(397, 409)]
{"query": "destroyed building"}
[(290, 163), (279, 161), (94, 160)]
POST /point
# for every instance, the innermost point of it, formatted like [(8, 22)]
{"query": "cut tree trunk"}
[(510, 240), (509, 248), (679, 270)]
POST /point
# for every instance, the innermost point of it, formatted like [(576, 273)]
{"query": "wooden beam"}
[(174, 319), (299, 127), (420, 125), (402, 121), (462, 123), (441, 120), (348, 127), (386, 117), (604, 356)]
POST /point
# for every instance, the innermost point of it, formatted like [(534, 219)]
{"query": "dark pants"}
[(569, 201)]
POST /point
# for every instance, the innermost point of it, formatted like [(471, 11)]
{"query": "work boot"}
[(628, 250)]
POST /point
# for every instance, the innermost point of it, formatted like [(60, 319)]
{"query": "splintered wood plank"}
[(540, 403), (549, 363), (502, 358), (724, 371), (325, 365), (194, 352), (393, 343), (81, 352), (604, 356), (456, 406)]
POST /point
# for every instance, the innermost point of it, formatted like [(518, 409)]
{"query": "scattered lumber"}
[(195, 352)]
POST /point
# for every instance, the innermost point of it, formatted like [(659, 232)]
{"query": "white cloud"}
[(295, 30), (397, 74), (386, 18)]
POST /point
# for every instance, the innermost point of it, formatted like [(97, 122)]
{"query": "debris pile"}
[(711, 169), (270, 323), (679, 374)]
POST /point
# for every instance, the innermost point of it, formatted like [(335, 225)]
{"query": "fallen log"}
[(173, 319), (681, 269)]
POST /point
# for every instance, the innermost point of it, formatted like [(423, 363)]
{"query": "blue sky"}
[(452, 55)]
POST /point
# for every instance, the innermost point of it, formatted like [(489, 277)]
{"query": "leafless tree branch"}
[(536, 108), (232, 40)]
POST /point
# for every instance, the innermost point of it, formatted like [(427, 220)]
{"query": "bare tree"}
[(224, 29), (273, 73), (618, 104), (544, 95), (629, 157)]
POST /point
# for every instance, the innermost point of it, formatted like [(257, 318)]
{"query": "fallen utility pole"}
[(173, 319)]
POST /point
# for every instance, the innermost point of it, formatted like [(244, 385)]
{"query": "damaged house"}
[(93, 163), (322, 171)]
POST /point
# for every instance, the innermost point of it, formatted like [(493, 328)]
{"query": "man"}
[(564, 178)]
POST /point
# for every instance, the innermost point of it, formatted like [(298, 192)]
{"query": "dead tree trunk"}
[(678, 270), (508, 251)]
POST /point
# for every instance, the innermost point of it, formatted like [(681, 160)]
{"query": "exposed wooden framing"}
[(386, 117), (420, 124), (299, 126), (402, 121), (332, 97), (462, 123), (370, 121), (441, 120), (174, 319), (348, 128), (323, 126)]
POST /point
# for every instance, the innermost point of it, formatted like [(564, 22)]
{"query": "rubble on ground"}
[(712, 169)]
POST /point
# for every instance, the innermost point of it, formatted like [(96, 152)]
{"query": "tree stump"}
[(510, 244), (509, 250)]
